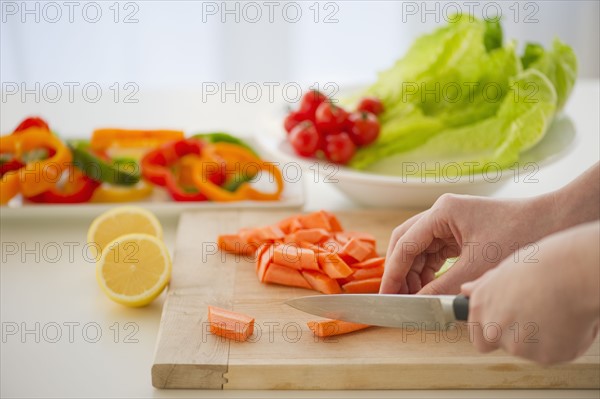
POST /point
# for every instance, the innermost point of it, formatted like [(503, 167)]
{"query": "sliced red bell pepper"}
[(156, 164), (10, 165), (172, 164), (32, 121), (77, 188)]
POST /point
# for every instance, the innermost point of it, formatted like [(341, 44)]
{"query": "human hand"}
[(482, 231), (547, 309)]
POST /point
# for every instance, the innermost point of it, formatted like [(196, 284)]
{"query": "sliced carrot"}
[(321, 282), (295, 226), (367, 286), (278, 274), (315, 248), (369, 272), (234, 243), (286, 224), (332, 246), (333, 265), (315, 220), (263, 259), (328, 328), (265, 234), (295, 257), (341, 237), (370, 238), (333, 222), (228, 324), (373, 262), (357, 249), (308, 235)]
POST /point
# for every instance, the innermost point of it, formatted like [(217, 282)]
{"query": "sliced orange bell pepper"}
[(238, 157), (9, 186), (38, 176), (105, 138)]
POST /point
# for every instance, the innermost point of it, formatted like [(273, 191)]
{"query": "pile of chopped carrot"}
[(311, 251)]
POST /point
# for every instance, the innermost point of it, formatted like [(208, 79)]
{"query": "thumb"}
[(447, 283)]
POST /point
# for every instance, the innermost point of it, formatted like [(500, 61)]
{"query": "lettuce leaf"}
[(458, 93), (558, 64), (521, 121)]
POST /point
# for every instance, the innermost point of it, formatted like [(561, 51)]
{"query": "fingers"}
[(400, 230), (407, 248), (448, 283)]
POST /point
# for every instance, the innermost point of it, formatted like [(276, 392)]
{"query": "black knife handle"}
[(460, 305)]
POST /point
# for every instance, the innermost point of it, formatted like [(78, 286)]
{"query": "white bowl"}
[(378, 190)]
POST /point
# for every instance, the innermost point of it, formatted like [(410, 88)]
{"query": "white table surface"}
[(65, 292)]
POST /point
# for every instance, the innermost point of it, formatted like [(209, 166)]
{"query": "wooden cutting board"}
[(284, 354)]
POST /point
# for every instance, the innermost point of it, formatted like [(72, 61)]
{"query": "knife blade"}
[(428, 312)]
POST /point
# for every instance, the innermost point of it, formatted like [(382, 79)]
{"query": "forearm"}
[(574, 254), (577, 202)]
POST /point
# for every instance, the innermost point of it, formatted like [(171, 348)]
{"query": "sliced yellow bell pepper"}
[(110, 193)]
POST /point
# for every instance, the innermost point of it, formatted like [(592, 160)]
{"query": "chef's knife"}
[(428, 312)]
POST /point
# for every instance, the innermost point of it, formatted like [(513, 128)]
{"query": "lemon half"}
[(119, 221), (134, 269)]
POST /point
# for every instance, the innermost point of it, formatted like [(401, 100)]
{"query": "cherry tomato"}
[(305, 139), (329, 118), (339, 148), (310, 102), (364, 128), (370, 104), (293, 119), (33, 121)]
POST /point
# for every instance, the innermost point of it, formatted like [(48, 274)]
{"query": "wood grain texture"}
[(284, 354)]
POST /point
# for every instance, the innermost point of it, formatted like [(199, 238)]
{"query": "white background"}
[(175, 44)]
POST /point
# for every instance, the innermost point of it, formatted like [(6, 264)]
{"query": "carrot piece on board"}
[(264, 255), (333, 222), (332, 246), (328, 328), (295, 226), (286, 224), (369, 272), (367, 286), (357, 249), (308, 235), (295, 257), (373, 262), (245, 233), (228, 324), (321, 282), (341, 237), (315, 220), (370, 238), (265, 234), (333, 265), (307, 245), (234, 243), (277, 274)]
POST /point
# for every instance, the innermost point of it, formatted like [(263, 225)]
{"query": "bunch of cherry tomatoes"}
[(320, 128)]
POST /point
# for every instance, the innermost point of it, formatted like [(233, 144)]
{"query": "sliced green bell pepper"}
[(108, 171)]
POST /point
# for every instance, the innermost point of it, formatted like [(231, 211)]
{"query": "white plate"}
[(159, 202), (377, 190)]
